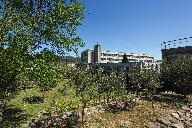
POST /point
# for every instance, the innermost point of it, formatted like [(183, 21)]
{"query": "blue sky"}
[(138, 26)]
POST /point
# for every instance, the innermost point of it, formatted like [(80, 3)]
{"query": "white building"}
[(116, 57), (97, 56)]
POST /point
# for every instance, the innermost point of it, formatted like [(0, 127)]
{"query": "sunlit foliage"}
[(27, 27), (176, 76)]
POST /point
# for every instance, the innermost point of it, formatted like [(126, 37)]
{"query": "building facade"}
[(97, 56), (176, 53)]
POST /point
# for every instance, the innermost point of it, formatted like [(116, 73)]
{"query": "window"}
[(103, 59)]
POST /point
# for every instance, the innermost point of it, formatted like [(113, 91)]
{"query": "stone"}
[(39, 123), (180, 113), (185, 108), (178, 119), (175, 115), (160, 125), (163, 121), (32, 125), (64, 116), (1, 114), (39, 115), (1, 119), (172, 119), (69, 119), (150, 125), (45, 113), (86, 111), (99, 107), (177, 126), (187, 114), (187, 123), (190, 106), (68, 113), (190, 111), (49, 122)]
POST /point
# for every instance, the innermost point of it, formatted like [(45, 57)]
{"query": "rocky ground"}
[(138, 113), (70, 119), (179, 119)]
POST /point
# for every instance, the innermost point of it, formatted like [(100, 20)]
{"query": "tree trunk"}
[(99, 99), (82, 114), (107, 97)]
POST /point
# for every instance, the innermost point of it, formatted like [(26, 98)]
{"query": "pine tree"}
[(125, 59)]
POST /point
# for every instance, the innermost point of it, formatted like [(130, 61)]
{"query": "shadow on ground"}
[(13, 118), (171, 100), (34, 99)]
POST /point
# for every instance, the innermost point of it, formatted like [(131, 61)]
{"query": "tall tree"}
[(125, 59), (28, 25)]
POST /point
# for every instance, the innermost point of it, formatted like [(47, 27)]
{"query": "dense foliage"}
[(176, 75), (27, 28), (145, 79), (92, 85)]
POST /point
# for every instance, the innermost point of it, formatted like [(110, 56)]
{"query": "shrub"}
[(145, 78), (65, 105), (176, 76)]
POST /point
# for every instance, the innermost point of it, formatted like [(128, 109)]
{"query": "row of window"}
[(105, 54), (133, 60), (117, 55), (110, 59)]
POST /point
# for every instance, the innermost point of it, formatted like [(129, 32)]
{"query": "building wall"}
[(116, 57), (87, 56), (173, 53), (97, 53), (97, 56)]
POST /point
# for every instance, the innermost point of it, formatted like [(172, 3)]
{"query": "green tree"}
[(125, 59), (176, 76), (149, 79), (26, 26), (100, 82), (83, 80), (110, 86)]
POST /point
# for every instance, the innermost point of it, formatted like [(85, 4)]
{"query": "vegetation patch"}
[(34, 99)]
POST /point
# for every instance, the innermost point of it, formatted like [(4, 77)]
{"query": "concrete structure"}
[(98, 56), (87, 56), (175, 53)]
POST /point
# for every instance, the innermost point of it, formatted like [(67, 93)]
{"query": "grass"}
[(140, 114), (136, 117), (18, 107), (20, 113)]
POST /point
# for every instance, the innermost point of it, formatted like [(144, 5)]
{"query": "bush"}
[(144, 79), (64, 105), (176, 76)]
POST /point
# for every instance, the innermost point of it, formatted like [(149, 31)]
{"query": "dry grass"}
[(136, 117), (140, 114)]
